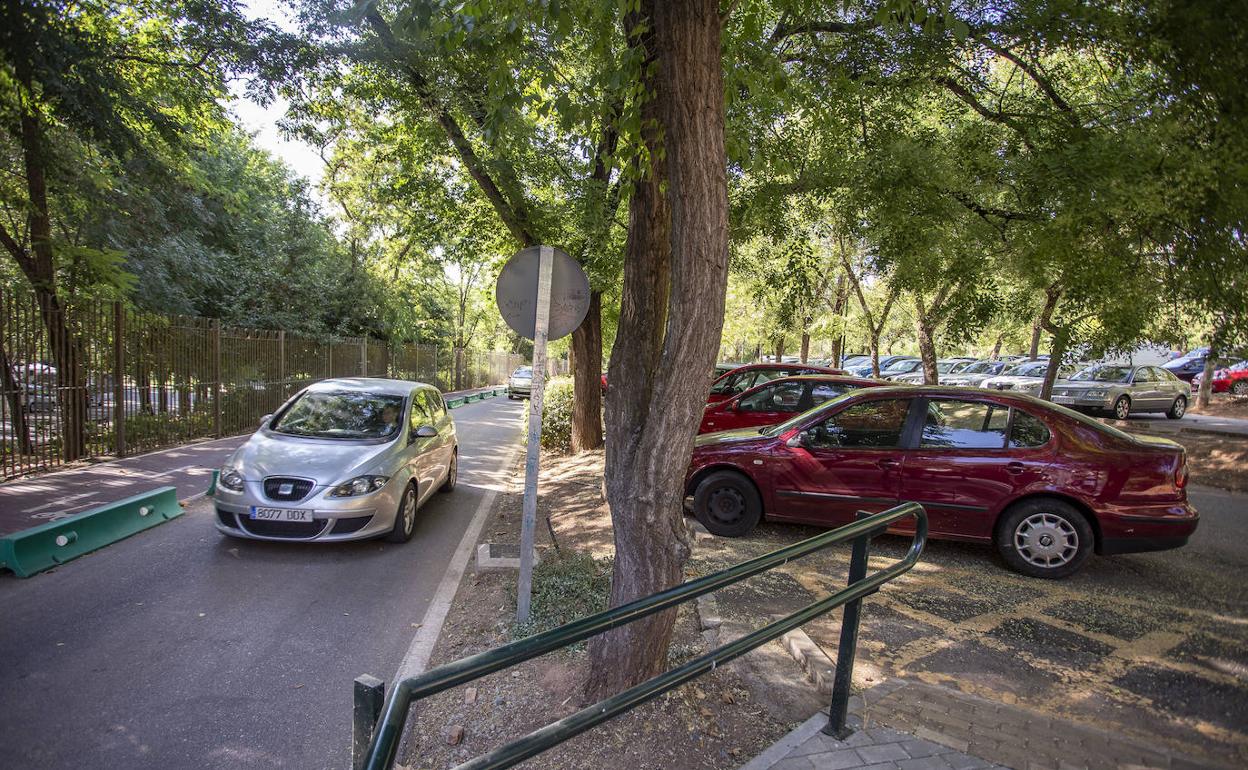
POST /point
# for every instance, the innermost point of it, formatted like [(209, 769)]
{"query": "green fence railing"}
[(377, 743)]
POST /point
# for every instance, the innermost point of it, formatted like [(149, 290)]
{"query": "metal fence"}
[(99, 380)]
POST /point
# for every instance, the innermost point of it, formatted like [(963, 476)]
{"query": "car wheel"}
[(1178, 408), (727, 504), (452, 473), (404, 518), (1122, 408), (1239, 388), (1044, 538)]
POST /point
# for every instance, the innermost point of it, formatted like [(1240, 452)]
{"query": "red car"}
[(1046, 485), (743, 378), (1232, 379), (778, 400)]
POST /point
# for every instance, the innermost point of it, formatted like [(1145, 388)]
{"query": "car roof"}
[(378, 385), (868, 381), (755, 367)]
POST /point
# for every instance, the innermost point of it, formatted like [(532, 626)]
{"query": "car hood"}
[(1086, 385), (322, 460), (966, 379), (737, 436)]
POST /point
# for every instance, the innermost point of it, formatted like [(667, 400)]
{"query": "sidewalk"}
[(39, 499), (1201, 423), (915, 726)]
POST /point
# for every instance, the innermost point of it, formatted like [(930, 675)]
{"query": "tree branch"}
[(969, 99), (785, 30)]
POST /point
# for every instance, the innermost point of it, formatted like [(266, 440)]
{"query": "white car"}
[(943, 366), (1026, 377)]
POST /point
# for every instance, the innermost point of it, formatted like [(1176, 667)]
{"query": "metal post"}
[(119, 372), (216, 377), (370, 694), (528, 523), (281, 366), (839, 709)]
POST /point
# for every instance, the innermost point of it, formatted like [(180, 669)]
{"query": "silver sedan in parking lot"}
[(344, 459), (1121, 389)]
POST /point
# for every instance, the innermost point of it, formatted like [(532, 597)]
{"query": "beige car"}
[(1123, 389)]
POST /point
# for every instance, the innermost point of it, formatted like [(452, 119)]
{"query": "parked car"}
[(1027, 376), (745, 377), (1121, 389), (975, 374), (1189, 365), (943, 366), (520, 383), (1047, 486), (1232, 379), (902, 366), (863, 369), (344, 459), (778, 400)]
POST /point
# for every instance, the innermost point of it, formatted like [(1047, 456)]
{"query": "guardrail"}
[(376, 748)]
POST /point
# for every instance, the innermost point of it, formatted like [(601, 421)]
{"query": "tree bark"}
[(586, 353), (805, 346), (927, 343), (996, 348), (1034, 352), (671, 318), (779, 348), (1051, 296), (838, 309), (1205, 393), (13, 395)]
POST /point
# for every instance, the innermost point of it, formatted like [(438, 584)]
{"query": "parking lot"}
[(1153, 646)]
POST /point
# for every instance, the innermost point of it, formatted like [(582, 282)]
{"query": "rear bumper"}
[(1147, 528)]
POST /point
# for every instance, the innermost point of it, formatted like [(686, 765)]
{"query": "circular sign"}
[(516, 292)]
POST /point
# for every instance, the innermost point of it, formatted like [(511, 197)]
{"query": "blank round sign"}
[(516, 293)]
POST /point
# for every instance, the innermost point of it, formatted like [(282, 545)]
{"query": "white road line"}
[(417, 658)]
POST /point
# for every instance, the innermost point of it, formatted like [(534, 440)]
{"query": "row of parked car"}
[(1046, 485)]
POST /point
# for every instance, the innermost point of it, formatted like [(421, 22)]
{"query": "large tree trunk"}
[(1052, 295), (996, 347), (586, 353), (805, 345), (927, 345), (1034, 352), (1206, 380), (671, 318), (838, 309), (779, 348)]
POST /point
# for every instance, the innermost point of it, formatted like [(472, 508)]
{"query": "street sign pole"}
[(529, 521)]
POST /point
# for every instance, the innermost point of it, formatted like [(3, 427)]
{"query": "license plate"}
[(1064, 399), (280, 514)]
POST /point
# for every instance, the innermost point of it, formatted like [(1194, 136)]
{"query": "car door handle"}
[(888, 464), (1015, 468)]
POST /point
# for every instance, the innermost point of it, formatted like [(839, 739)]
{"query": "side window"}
[(419, 414), (1027, 431), (1162, 375), (964, 425), (433, 404), (866, 425), (1144, 374), (781, 397), (825, 392)]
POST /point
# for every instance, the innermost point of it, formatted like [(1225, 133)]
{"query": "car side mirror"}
[(425, 431), (265, 420), (802, 439)]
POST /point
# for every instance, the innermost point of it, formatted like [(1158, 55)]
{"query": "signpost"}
[(542, 294)]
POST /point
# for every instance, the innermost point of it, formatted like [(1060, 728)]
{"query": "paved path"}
[(39, 499), (181, 648), (1191, 421)]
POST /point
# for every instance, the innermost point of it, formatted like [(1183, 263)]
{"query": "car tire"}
[(1044, 538), (452, 474), (727, 504), (404, 519), (1122, 408), (1177, 409), (1239, 388)]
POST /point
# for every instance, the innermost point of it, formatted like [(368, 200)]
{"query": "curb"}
[(819, 668)]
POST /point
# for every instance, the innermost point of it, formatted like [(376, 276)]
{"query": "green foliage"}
[(567, 585), (557, 415)]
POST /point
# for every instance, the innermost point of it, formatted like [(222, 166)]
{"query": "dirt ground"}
[(719, 721), (1224, 405), (1213, 459)]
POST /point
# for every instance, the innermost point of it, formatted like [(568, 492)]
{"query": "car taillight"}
[(1180, 473)]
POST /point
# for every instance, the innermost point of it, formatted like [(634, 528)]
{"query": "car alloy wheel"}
[(1122, 408), (1046, 541), (1178, 409), (1239, 388), (405, 517), (452, 474)]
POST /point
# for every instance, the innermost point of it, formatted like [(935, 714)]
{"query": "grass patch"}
[(567, 586)]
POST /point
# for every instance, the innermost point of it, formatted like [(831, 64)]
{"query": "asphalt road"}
[(180, 648)]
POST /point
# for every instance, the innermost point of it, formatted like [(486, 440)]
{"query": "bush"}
[(567, 586), (557, 416)]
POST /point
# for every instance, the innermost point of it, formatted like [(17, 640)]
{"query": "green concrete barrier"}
[(48, 545)]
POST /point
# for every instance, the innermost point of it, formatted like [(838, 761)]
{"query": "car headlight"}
[(230, 479), (360, 485)]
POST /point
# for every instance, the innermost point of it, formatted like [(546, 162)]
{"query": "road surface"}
[(181, 648)]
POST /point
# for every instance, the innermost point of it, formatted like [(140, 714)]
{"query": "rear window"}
[(346, 414), (1028, 431)]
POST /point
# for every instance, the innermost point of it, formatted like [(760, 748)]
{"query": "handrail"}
[(384, 745)]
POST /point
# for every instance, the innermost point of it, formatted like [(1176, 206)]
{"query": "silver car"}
[(1025, 377), (344, 459), (520, 384), (943, 366), (975, 374), (1121, 389)]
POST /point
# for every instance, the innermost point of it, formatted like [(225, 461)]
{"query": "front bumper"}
[(334, 520), (519, 390), (1085, 402)]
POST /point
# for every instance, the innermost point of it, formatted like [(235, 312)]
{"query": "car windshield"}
[(524, 371), (944, 366), (344, 414), (903, 366), (792, 422), (979, 367), (1028, 369), (1104, 374)]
